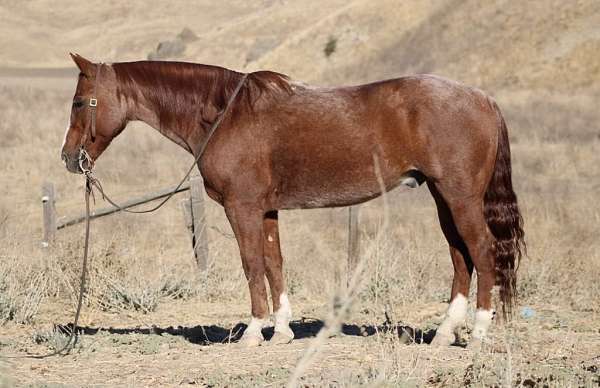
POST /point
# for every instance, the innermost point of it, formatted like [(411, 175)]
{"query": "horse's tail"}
[(504, 220)]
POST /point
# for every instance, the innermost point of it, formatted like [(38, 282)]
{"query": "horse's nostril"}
[(63, 156)]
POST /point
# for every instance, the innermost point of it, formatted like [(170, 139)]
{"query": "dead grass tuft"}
[(22, 290), (142, 266)]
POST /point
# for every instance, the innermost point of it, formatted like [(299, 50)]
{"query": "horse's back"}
[(335, 146), (457, 125)]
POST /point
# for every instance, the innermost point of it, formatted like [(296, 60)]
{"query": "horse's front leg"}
[(246, 220), (274, 263)]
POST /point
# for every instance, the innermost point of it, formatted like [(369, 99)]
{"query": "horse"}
[(283, 144)]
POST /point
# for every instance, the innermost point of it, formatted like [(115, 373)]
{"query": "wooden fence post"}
[(186, 208), (49, 211), (199, 237), (353, 239)]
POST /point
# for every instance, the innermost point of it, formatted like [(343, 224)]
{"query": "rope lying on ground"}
[(90, 183), (72, 340)]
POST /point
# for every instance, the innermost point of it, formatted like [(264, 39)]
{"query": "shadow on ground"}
[(303, 328)]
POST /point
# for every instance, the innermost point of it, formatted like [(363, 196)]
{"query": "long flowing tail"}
[(505, 221)]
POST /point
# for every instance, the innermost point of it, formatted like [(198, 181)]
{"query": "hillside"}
[(547, 44), (149, 317)]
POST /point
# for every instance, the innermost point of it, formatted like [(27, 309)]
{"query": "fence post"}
[(199, 238), (353, 239), (186, 209), (49, 211)]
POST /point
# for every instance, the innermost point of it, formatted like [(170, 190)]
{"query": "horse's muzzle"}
[(72, 162)]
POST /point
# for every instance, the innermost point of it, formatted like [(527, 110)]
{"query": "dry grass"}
[(22, 289), (142, 265), (142, 273)]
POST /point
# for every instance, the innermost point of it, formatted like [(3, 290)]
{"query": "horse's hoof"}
[(251, 341), (280, 338), (442, 339)]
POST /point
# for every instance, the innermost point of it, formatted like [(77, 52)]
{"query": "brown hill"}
[(541, 59), (548, 44)]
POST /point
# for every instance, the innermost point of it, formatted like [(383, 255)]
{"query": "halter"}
[(84, 156), (91, 182), (93, 103)]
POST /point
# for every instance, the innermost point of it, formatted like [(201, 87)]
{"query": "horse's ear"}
[(86, 67)]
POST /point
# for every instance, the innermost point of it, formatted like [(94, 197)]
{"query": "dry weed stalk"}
[(341, 309), (22, 290)]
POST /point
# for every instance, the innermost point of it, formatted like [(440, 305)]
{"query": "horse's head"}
[(97, 115)]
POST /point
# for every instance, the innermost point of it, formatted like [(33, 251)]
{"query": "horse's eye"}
[(77, 104)]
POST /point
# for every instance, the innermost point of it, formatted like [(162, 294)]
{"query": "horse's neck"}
[(187, 132), (145, 113)]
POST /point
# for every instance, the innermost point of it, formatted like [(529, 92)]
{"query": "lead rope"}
[(96, 183), (90, 183), (72, 340)]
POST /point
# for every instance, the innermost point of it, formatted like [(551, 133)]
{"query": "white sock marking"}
[(283, 316), (254, 328), (483, 320), (456, 314)]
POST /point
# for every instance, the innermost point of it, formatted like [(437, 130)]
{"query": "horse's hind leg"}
[(467, 213), (274, 265), (463, 268)]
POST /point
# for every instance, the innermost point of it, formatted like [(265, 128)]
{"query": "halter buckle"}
[(93, 102)]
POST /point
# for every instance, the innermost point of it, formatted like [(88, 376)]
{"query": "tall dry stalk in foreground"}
[(348, 295)]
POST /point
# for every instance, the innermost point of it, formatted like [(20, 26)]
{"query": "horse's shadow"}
[(303, 328)]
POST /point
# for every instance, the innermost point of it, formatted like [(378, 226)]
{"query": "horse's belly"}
[(314, 190), (310, 199)]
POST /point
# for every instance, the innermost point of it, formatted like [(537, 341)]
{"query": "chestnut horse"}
[(286, 145)]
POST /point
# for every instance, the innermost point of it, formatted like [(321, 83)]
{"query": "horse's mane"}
[(180, 89)]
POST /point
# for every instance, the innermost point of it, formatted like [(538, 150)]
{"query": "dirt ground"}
[(193, 343), (150, 320)]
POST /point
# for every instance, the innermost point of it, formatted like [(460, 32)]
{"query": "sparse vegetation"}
[(148, 312), (137, 293), (54, 339), (22, 289), (330, 46)]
